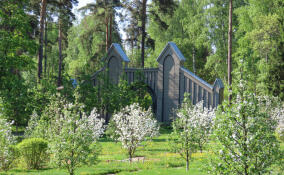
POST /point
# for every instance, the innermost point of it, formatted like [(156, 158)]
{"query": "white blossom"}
[(134, 125), (275, 109), (32, 125), (73, 133), (245, 131), (191, 128), (197, 120), (6, 140)]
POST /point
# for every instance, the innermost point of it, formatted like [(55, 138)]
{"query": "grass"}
[(158, 160)]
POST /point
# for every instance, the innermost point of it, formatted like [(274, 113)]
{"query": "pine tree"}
[(65, 17), (106, 10)]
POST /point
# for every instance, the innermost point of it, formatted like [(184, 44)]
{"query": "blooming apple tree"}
[(275, 109), (37, 127), (73, 137), (280, 130), (245, 137), (133, 125), (191, 128), (7, 153)]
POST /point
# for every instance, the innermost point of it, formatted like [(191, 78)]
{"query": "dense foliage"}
[(200, 29), (109, 98), (17, 48)]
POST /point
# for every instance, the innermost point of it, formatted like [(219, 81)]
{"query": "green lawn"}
[(158, 160)]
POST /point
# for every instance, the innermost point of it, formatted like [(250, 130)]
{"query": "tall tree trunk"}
[(40, 50), (193, 61), (60, 52), (132, 46), (230, 51), (144, 3), (110, 30), (45, 47), (107, 37), (187, 160)]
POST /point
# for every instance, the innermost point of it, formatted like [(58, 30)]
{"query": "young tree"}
[(274, 107), (134, 125), (73, 137), (191, 128), (37, 127), (245, 135)]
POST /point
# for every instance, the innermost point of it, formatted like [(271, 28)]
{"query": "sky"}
[(80, 4), (83, 3)]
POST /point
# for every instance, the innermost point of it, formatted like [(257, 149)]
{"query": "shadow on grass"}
[(159, 140), (157, 150), (113, 171), (165, 129), (175, 165), (103, 173), (106, 139), (28, 170)]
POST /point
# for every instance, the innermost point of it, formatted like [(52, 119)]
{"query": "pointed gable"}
[(218, 84), (171, 48), (115, 49)]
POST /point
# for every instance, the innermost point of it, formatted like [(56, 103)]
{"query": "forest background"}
[(43, 46)]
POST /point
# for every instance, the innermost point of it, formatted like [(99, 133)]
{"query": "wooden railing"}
[(148, 75), (199, 89)]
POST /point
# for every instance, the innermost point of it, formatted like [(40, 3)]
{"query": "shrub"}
[(133, 125), (7, 150), (34, 152)]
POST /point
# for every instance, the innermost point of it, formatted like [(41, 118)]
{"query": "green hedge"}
[(33, 152)]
